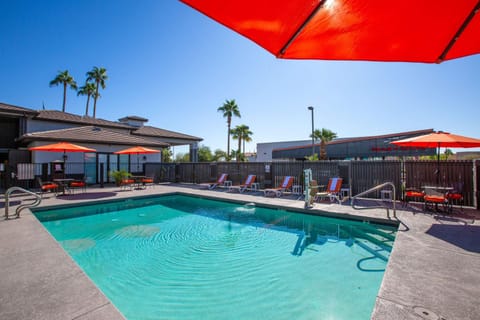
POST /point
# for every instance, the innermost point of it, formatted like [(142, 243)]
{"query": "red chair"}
[(412, 194), (47, 186), (455, 196), (78, 184), (435, 199)]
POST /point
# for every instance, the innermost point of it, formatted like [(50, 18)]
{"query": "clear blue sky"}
[(174, 66)]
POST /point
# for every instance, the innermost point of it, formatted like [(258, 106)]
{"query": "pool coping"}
[(433, 269)]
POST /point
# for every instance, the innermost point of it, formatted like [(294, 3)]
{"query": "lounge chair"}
[(245, 186), (220, 182), (286, 185), (333, 190)]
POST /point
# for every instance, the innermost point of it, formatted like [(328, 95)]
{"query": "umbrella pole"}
[(438, 165)]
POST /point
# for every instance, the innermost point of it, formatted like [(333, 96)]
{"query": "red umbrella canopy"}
[(439, 139), (410, 31), (137, 150), (62, 147)]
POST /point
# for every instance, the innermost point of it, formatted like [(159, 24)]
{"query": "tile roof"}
[(162, 133), (91, 134), (8, 108), (59, 116)]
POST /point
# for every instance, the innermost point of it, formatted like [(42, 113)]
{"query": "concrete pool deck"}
[(433, 271)]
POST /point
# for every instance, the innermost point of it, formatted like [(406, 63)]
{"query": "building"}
[(369, 147), (22, 128)]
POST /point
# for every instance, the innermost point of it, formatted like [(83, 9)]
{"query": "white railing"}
[(35, 203), (381, 186)]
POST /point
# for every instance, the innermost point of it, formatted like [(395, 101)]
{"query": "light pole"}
[(313, 139)]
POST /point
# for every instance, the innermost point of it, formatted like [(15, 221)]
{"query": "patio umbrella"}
[(62, 147), (437, 140), (137, 150), (428, 31)]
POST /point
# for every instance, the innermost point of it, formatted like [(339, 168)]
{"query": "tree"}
[(246, 135), (87, 90), (98, 75), (219, 155), (237, 135), (229, 109), (64, 78), (324, 136), (166, 155), (242, 133), (204, 154)]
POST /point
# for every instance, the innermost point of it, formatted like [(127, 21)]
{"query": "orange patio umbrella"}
[(438, 140), (428, 31), (137, 150), (62, 147)]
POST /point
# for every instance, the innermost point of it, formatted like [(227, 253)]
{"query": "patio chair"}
[(455, 196), (246, 185), (47, 186), (332, 192), (78, 184), (127, 183), (286, 185), (433, 197), (412, 194), (148, 182)]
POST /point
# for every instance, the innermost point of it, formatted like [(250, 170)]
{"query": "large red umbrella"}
[(62, 147), (137, 150), (410, 31), (438, 140)]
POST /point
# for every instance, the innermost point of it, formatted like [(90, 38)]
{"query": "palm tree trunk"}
[(239, 153), (95, 99), (86, 108), (228, 139), (323, 152), (64, 96)]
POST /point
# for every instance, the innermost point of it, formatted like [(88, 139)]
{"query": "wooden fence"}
[(358, 176)]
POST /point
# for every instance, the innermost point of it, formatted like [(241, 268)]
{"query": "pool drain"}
[(427, 314)]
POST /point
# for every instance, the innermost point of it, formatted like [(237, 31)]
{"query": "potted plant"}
[(119, 175)]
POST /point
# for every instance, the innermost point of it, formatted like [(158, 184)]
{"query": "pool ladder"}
[(35, 203), (380, 186)]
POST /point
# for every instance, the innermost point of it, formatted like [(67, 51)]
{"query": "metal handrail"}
[(383, 185), (35, 203)]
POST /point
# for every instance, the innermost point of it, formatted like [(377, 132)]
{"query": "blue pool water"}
[(179, 257)]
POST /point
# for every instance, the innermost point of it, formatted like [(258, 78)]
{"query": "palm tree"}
[(229, 109), (87, 90), (324, 136), (246, 135), (99, 75), (242, 133), (219, 155), (64, 78), (237, 134)]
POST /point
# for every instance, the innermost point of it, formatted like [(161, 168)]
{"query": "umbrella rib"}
[(457, 35), (300, 29)]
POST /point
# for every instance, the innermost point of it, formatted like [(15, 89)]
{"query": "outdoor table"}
[(63, 183)]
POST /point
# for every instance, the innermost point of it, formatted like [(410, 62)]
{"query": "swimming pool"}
[(180, 257)]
